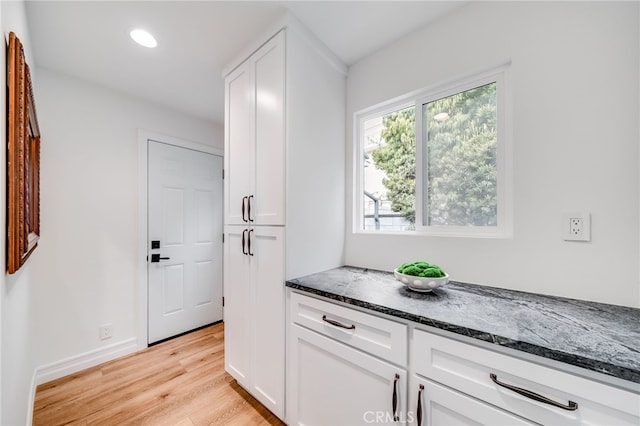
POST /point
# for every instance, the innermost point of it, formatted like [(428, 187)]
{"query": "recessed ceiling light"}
[(143, 38)]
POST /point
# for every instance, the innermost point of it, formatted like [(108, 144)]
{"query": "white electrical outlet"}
[(576, 226), (106, 331)]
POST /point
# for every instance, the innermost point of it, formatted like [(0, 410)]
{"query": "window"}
[(435, 162), (389, 171)]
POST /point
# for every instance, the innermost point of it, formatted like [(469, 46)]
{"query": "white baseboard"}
[(32, 398), (55, 370)]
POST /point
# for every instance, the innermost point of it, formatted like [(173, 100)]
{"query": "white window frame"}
[(360, 118), (504, 176)]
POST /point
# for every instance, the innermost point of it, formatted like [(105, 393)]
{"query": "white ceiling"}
[(196, 40)]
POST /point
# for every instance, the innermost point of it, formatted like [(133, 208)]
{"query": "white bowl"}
[(422, 284)]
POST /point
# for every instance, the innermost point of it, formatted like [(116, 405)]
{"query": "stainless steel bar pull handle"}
[(338, 324), (394, 398), (571, 406)]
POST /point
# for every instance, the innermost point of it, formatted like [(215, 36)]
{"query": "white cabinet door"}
[(239, 144), (254, 312), (267, 313), (267, 203), (255, 138), (237, 300), (431, 404), (333, 384)]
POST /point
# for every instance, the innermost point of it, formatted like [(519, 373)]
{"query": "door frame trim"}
[(142, 294)]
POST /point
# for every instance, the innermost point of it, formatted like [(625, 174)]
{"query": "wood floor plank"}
[(49, 394), (180, 382)]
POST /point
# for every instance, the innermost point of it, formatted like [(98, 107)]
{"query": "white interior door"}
[(185, 240)]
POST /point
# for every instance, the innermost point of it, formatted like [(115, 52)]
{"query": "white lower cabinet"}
[(431, 404), (347, 367), (525, 389), (254, 312), (334, 384)]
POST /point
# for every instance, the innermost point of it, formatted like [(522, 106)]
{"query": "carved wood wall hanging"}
[(23, 160)]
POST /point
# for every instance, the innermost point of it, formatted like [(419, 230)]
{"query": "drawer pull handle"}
[(572, 406), (419, 409), (394, 398), (338, 324)]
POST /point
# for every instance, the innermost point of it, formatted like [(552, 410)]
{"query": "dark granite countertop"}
[(599, 337)]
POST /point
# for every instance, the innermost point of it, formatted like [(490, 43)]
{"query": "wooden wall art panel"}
[(23, 160)]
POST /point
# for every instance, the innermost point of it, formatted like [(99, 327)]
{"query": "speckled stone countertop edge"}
[(598, 366)]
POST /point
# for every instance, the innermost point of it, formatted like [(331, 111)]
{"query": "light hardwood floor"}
[(179, 382)]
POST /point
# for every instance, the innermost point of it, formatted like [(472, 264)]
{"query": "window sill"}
[(441, 233)]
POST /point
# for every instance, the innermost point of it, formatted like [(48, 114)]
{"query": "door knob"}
[(156, 258)]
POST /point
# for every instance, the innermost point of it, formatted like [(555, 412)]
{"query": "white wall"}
[(575, 113), (16, 292), (84, 272)]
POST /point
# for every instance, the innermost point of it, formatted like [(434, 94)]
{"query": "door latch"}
[(155, 258)]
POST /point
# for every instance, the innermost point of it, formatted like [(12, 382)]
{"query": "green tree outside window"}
[(461, 168)]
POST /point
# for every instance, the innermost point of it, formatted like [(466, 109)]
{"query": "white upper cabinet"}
[(239, 172), (255, 138), (285, 144), (269, 78)]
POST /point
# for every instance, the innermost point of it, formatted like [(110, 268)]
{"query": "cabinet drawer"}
[(378, 336), (467, 368)]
